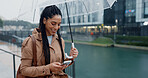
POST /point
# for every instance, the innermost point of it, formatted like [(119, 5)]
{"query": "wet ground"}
[(6, 60)]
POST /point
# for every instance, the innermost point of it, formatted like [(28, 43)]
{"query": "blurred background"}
[(111, 35)]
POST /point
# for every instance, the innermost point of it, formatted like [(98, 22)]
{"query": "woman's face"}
[(52, 24)]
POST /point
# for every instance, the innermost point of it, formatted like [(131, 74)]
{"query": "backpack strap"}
[(34, 51), (34, 61)]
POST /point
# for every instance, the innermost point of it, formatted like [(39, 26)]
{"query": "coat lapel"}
[(55, 37)]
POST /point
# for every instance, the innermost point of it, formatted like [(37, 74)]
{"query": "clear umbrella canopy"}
[(31, 9)]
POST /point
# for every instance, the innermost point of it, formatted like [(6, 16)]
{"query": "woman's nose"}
[(56, 27)]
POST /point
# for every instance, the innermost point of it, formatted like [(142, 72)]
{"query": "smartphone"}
[(67, 62)]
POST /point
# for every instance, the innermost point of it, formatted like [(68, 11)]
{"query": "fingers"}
[(74, 49), (74, 52), (57, 63), (56, 66), (64, 66)]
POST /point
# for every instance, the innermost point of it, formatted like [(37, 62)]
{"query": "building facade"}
[(125, 17), (142, 16), (84, 15), (132, 16)]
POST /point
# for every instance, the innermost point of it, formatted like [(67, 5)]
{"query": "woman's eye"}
[(53, 23)]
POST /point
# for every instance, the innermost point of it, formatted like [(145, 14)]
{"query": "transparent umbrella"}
[(31, 9)]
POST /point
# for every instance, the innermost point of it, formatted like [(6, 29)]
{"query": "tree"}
[(1, 23)]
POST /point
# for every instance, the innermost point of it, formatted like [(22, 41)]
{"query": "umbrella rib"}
[(84, 5), (20, 9), (35, 11)]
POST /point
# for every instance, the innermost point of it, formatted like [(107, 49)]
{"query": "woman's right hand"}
[(56, 66)]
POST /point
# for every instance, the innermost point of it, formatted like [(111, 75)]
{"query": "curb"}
[(111, 45), (131, 47), (93, 44)]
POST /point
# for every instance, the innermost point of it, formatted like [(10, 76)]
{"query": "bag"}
[(19, 75)]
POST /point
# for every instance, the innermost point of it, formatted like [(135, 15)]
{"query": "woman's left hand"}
[(74, 52)]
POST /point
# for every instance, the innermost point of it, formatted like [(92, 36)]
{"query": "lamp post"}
[(116, 21)]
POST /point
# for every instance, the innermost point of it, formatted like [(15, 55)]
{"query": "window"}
[(70, 19), (95, 17), (79, 19), (130, 8), (63, 20), (83, 18), (146, 9), (88, 17), (73, 19)]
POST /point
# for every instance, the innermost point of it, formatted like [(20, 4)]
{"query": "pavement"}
[(93, 44), (131, 47), (6, 60), (111, 45)]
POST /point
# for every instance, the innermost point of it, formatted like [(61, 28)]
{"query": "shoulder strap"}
[(34, 58), (34, 51)]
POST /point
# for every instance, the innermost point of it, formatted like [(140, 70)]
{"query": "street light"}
[(116, 21), (145, 23)]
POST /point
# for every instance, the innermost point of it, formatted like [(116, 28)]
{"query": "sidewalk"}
[(131, 47), (111, 45), (93, 44), (6, 60), (5, 71)]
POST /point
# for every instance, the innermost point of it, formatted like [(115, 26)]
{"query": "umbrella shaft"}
[(69, 22)]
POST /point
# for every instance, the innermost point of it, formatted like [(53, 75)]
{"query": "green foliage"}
[(103, 40), (20, 23), (131, 40), (1, 23)]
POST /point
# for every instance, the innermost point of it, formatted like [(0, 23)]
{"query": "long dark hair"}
[(47, 13)]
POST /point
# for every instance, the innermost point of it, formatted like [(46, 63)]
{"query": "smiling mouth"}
[(53, 31)]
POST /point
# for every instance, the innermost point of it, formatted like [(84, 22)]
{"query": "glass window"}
[(146, 9), (83, 18), (130, 9), (73, 19), (95, 17), (70, 19), (79, 19), (63, 20), (145, 0), (88, 17)]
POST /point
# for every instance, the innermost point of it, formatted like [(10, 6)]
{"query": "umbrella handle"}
[(73, 46)]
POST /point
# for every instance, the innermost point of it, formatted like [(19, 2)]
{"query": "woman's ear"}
[(44, 20)]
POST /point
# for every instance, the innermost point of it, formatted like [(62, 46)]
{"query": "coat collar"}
[(36, 32)]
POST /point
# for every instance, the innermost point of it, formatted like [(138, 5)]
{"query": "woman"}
[(49, 53)]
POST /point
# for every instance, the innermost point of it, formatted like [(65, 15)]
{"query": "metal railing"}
[(70, 70), (14, 70), (15, 37)]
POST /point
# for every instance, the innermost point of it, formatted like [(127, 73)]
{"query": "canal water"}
[(109, 62), (92, 62)]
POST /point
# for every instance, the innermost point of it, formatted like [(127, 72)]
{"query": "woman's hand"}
[(56, 66), (74, 52)]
